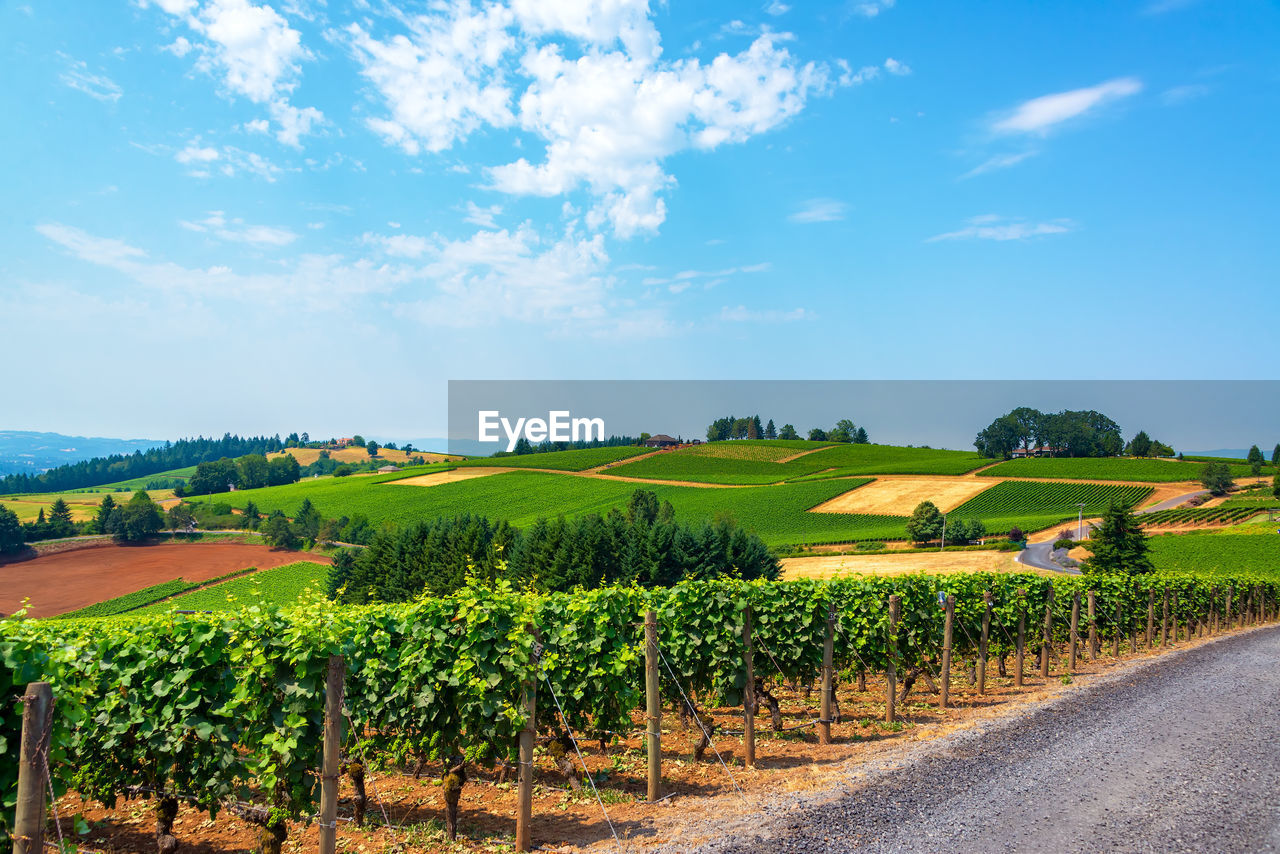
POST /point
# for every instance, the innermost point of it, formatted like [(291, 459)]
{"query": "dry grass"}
[(454, 476), (307, 456), (898, 496), (829, 566)]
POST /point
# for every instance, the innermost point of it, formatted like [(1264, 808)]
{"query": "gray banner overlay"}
[(1194, 416)]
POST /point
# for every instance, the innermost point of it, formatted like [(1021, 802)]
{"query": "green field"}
[(747, 462), (283, 585), (1217, 553), (1032, 506), (1107, 468), (130, 601), (580, 460)]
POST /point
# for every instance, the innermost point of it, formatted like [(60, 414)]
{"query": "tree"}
[(213, 476), (642, 507), (861, 438), (357, 440), (1139, 445), (372, 448), (1275, 455), (925, 523), (283, 469), (1216, 478), (102, 522), (253, 471), (1255, 456), (343, 470), (278, 532), (12, 538), (1000, 438), (756, 430), (1275, 485), (1118, 546), (844, 431), (817, 434), (60, 523), (788, 432), (771, 432), (308, 520), (180, 517), (252, 518), (139, 518)]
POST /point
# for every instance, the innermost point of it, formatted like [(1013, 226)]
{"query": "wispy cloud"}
[(706, 279), (742, 314), (870, 8), (1181, 94), (1000, 161), (776, 8), (1040, 115), (97, 86), (995, 227), (236, 230), (819, 210)]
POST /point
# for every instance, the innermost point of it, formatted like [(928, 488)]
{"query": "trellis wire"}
[(693, 711)]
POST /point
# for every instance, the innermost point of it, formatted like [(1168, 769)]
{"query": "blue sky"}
[(234, 215)]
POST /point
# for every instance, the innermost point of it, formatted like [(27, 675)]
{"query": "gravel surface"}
[(1181, 753)]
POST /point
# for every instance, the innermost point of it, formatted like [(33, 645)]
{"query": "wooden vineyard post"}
[(1173, 618), (28, 825), (1048, 635), (1164, 620), (1226, 608), (1116, 633), (528, 737), (891, 673), (982, 643), (1213, 610), (828, 654), (653, 705), (1151, 617), (862, 679), (1020, 652), (1093, 626), (949, 615), (333, 697), (1133, 644), (749, 695), (1075, 632)]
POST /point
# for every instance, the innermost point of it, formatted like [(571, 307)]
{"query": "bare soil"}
[(69, 580)]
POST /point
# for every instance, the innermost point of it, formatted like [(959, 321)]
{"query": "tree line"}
[(732, 427), (1064, 434), (524, 446), (174, 455), (251, 471), (641, 545)]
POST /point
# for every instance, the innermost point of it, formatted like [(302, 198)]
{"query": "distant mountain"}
[(25, 452)]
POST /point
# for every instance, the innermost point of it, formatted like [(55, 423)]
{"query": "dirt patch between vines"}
[(701, 794), (67, 581)]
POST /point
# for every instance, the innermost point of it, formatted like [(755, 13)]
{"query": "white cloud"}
[(253, 51), (194, 152), (776, 8), (483, 217), (97, 86), (995, 227), (742, 314), (892, 66), (871, 8), (237, 231), (399, 245), (999, 161), (203, 160), (819, 210), (1039, 115), (607, 115), (1181, 94)]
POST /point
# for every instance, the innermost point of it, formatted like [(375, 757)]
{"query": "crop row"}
[(1106, 468), (230, 706), (1013, 498), (1198, 515)]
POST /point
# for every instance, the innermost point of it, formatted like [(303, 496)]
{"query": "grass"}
[(777, 513), (744, 463), (1218, 553), (283, 585), (579, 460), (1108, 468), (84, 505)]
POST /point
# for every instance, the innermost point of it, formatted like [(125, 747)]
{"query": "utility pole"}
[(943, 545), (1080, 524)]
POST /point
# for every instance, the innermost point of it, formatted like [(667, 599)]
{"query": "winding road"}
[(1173, 754), (1040, 555)]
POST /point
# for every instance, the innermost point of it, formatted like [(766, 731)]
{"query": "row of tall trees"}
[(642, 545), (524, 446), (130, 521), (174, 455), (248, 472), (732, 427), (1067, 434), (1142, 445)]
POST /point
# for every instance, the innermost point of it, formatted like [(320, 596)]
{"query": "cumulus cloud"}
[(1040, 115), (819, 210), (586, 78), (236, 230), (253, 51), (995, 227)]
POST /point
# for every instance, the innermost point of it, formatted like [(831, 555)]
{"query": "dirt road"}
[(1177, 754)]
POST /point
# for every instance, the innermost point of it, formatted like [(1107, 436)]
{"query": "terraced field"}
[(1107, 468), (744, 463)]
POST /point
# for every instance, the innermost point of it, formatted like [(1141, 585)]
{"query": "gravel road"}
[(1181, 753)]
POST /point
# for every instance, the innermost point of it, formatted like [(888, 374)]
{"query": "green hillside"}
[(580, 460), (1108, 468)]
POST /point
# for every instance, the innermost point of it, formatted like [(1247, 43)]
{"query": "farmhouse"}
[(1037, 451), (661, 440), (388, 469)]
